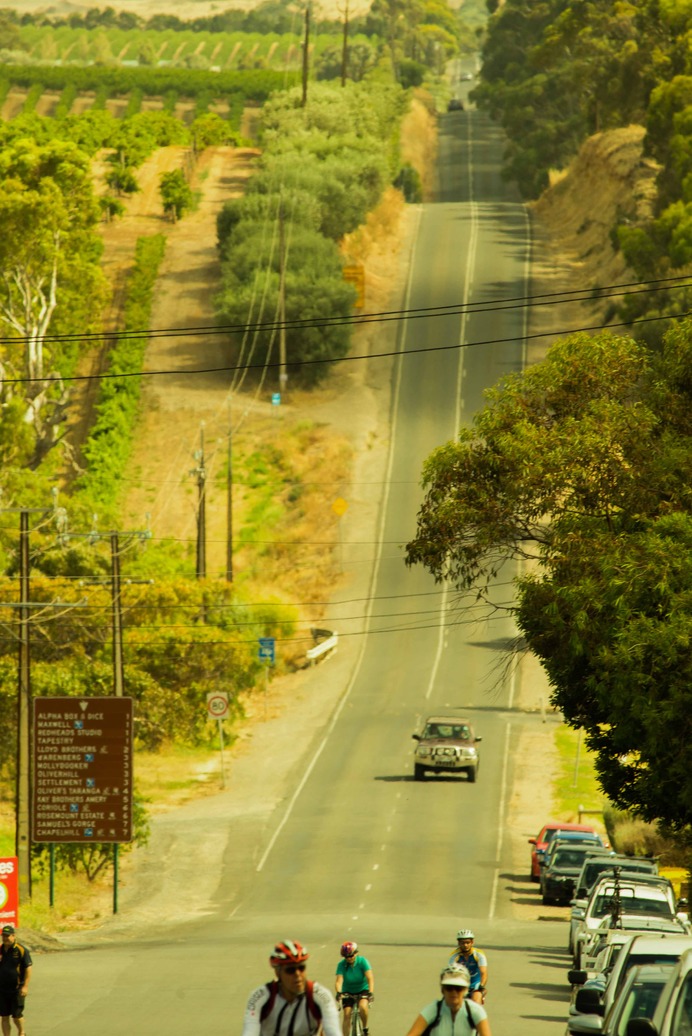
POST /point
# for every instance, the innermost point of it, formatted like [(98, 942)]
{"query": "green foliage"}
[(323, 168), (409, 183), (108, 447), (176, 194), (556, 72), (583, 465), (118, 81), (51, 282)]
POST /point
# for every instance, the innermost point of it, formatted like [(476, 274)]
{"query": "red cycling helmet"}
[(288, 952), (349, 948)]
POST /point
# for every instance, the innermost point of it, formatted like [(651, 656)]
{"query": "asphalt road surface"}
[(361, 851)]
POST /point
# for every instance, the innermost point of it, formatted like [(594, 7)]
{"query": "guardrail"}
[(326, 642)]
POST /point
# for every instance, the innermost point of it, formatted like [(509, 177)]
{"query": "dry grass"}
[(419, 140)]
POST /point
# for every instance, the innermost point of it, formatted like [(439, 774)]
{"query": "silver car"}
[(446, 744)]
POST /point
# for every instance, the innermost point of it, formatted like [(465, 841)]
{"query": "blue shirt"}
[(474, 962)]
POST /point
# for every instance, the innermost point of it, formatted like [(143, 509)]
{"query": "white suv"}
[(446, 744), (651, 896)]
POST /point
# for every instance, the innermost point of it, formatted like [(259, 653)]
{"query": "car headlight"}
[(423, 752)]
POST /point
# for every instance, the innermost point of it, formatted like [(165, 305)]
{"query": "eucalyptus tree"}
[(578, 471)]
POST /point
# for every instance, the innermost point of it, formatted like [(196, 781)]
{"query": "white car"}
[(643, 949), (673, 1014), (646, 896), (638, 998)]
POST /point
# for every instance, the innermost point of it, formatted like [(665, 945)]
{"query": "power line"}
[(591, 294), (423, 350)]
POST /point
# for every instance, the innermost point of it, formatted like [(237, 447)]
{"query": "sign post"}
[(217, 708), (266, 653)]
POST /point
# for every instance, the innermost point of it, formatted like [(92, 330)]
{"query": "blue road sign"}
[(266, 651)]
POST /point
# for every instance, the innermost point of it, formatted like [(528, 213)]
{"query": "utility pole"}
[(24, 718), (23, 830), (118, 668), (201, 472), (283, 376), (306, 55), (229, 500), (344, 49)]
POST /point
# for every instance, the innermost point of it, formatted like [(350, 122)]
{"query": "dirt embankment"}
[(609, 180)]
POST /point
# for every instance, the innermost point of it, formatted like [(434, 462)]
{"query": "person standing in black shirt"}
[(15, 972)]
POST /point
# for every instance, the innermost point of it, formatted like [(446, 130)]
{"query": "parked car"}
[(543, 839), (594, 866), (446, 744), (643, 949), (644, 894), (590, 839), (673, 1014), (638, 998), (455, 104), (561, 870), (621, 931)]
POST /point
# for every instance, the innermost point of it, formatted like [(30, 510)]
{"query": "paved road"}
[(366, 852)]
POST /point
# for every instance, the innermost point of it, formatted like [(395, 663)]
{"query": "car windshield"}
[(567, 858), (457, 731), (631, 904), (596, 867), (641, 1002)]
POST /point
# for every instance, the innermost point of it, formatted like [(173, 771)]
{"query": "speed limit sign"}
[(217, 704)]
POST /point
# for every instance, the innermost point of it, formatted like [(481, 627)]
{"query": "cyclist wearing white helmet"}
[(291, 1005), (476, 962), (455, 1014), (355, 985)]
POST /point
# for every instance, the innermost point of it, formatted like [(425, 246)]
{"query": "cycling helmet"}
[(455, 975), (288, 952), (465, 933), (349, 948)]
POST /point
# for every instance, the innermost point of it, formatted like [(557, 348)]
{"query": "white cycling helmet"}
[(465, 933), (455, 975)]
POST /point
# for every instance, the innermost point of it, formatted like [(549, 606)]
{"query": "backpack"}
[(313, 1008), (436, 1019)]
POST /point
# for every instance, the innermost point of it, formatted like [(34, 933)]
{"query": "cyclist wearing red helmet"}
[(355, 985), (291, 1005)]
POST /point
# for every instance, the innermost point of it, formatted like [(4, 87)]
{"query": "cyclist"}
[(355, 985), (455, 1014), (290, 1005), (475, 961)]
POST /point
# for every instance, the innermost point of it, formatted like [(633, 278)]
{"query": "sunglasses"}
[(292, 968), (457, 989)]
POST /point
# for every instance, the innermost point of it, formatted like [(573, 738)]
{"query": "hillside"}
[(572, 222)]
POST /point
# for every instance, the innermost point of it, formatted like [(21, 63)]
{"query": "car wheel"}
[(547, 900), (471, 774), (418, 772)]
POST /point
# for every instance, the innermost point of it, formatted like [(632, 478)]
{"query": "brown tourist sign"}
[(82, 770)]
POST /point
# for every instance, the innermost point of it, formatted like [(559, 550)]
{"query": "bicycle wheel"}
[(356, 1023)]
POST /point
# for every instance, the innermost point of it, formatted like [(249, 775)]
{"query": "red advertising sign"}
[(82, 770), (9, 891)]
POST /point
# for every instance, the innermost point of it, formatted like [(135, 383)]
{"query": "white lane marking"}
[(368, 887), (373, 578), (471, 251), (375, 866), (500, 823)]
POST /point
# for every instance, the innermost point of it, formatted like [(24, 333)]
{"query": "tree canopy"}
[(579, 471)]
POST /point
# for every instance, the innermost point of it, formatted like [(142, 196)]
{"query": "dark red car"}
[(543, 839)]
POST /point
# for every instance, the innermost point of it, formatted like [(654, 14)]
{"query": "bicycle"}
[(352, 1000)]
